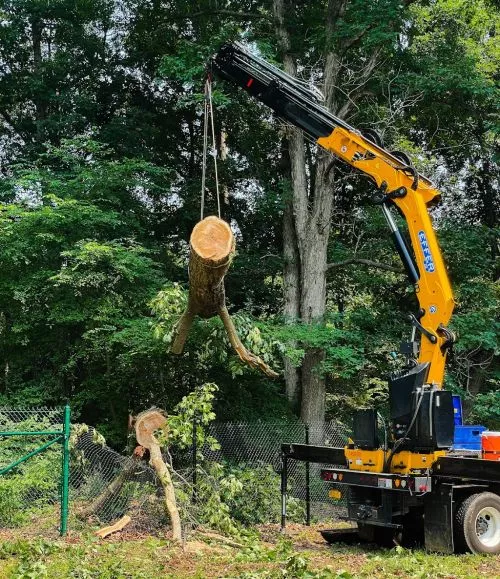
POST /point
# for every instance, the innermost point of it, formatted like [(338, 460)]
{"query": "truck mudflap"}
[(438, 519)]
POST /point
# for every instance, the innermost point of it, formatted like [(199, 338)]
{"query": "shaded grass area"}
[(299, 554)]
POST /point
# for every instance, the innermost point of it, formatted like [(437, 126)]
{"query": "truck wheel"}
[(478, 523)]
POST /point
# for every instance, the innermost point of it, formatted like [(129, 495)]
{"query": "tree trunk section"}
[(305, 232), (40, 104), (313, 404), (145, 425), (157, 462), (212, 249), (291, 278)]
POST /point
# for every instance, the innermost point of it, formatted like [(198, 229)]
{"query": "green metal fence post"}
[(65, 470)]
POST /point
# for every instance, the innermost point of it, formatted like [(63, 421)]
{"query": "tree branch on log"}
[(368, 262), (245, 356)]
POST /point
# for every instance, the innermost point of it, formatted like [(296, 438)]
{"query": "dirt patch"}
[(300, 535)]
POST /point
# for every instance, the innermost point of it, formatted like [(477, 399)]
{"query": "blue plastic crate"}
[(468, 437)]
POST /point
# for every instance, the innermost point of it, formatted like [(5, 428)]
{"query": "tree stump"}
[(212, 249), (145, 425)]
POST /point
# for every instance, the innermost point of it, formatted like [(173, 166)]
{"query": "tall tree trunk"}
[(291, 275), (306, 231), (307, 219)]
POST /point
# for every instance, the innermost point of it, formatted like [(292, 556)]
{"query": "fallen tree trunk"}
[(212, 250), (145, 425), (218, 537)]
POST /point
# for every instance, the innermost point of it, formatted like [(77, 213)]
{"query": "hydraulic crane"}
[(422, 424), (397, 183)]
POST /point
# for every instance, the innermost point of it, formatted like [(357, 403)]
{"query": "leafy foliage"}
[(101, 149)]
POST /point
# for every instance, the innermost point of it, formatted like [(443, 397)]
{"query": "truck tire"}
[(478, 523)]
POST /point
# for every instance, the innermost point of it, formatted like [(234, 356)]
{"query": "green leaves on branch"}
[(207, 342), (343, 347), (195, 409)]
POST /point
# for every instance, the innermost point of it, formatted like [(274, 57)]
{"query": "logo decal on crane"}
[(428, 260)]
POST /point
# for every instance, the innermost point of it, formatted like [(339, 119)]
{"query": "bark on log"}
[(212, 250), (145, 425), (118, 526)]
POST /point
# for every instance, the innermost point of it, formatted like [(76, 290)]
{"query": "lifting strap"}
[(208, 112)]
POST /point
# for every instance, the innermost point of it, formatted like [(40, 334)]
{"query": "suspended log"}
[(212, 250), (118, 526), (145, 425)]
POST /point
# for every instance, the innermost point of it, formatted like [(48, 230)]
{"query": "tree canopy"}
[(101, 134)]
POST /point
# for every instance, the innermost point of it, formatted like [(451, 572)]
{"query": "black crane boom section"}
[(285, 95)]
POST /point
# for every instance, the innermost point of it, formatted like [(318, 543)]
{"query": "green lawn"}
[(301, 554)]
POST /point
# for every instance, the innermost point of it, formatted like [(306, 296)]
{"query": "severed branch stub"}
[(145, 425), (212, 249)]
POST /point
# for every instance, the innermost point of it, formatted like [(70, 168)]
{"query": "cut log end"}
[(145, 425), (212, 240)]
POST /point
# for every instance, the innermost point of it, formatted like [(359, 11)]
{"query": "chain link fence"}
[(241, 478), (258, 444), (106, 485), (34, 455)]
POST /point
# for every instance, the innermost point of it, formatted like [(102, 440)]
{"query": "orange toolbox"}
[(490, 445)]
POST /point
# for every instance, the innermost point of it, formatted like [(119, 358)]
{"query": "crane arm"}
[(396, 179)]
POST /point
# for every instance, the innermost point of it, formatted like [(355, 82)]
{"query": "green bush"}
[(253, 495), (236, 496), (486, 410)]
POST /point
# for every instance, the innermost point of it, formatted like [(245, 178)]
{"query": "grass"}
[(300, 554)]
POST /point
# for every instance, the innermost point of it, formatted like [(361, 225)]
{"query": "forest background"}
[(100, 149)]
